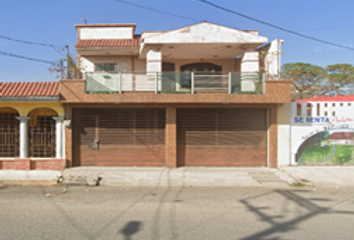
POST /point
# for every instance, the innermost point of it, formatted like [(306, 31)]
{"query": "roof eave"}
[(30, 99), (103, 48), (106, 25)]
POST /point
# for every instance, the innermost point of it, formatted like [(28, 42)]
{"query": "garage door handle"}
[(95, 144)]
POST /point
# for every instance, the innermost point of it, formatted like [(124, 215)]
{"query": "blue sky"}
[(52, 21)]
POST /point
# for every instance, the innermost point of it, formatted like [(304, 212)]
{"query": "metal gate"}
[(222, 137), (119, 137)]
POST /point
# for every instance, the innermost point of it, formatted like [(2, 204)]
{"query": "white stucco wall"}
[(272, 60), (124, 64), (106, 33), (205, 33), (86, 65), (284, 137), (151, 33)]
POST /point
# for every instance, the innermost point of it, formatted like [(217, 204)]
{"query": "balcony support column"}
[(272, 137), (249, 70), (171, 137), (192, 83), (229, 83), (154, 64), (250, 61), (154, 60)]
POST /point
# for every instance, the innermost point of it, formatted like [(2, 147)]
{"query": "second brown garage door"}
[(222, 137), (119, 137)]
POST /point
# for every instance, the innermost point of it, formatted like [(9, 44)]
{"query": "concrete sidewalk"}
[(185, 176), (37, 177), (337, 176), (326, 176)]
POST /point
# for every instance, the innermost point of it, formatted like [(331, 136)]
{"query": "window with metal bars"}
[(42, 133), (9, 133), (106, 67)]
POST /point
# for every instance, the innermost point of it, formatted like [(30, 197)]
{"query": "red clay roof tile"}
[(108, 42), (346, 98), (29, 89)]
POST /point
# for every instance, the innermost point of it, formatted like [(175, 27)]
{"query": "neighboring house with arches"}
[(31, 127)]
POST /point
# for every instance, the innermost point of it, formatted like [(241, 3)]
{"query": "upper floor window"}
[(105, 67)]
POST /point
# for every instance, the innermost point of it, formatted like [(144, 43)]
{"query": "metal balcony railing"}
[(175, 82)]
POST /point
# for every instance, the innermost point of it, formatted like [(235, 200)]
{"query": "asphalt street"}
[(131, 213)]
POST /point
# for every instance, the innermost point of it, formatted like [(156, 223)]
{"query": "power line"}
[(325, 28), (163, 12), (24, 57), (55, 47), (28, 42), (158, 11), (274, 26)]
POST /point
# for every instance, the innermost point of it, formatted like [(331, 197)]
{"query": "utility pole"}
[(62, 69), (67, 61)]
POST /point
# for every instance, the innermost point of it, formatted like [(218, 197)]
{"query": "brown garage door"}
[(222, 137), (119, 137)]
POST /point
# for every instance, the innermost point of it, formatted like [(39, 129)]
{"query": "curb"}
[(28, 182)]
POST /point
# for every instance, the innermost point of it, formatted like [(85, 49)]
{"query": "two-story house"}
[(202, 95)]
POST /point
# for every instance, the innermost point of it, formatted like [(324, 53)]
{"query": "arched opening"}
[(201, 67), (42, 133), (309, 110), (9, 133), (299, 109), (206, 76)]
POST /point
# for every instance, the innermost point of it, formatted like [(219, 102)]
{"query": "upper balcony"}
[(175, 88)]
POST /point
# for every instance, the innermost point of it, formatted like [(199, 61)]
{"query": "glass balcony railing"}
[(175, 82), (246, 83), (102, 82)]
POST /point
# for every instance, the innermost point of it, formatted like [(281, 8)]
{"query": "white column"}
[(23, 136), (249, 70), (153, 60), (58, 135), (250, 62), (154, 64)]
